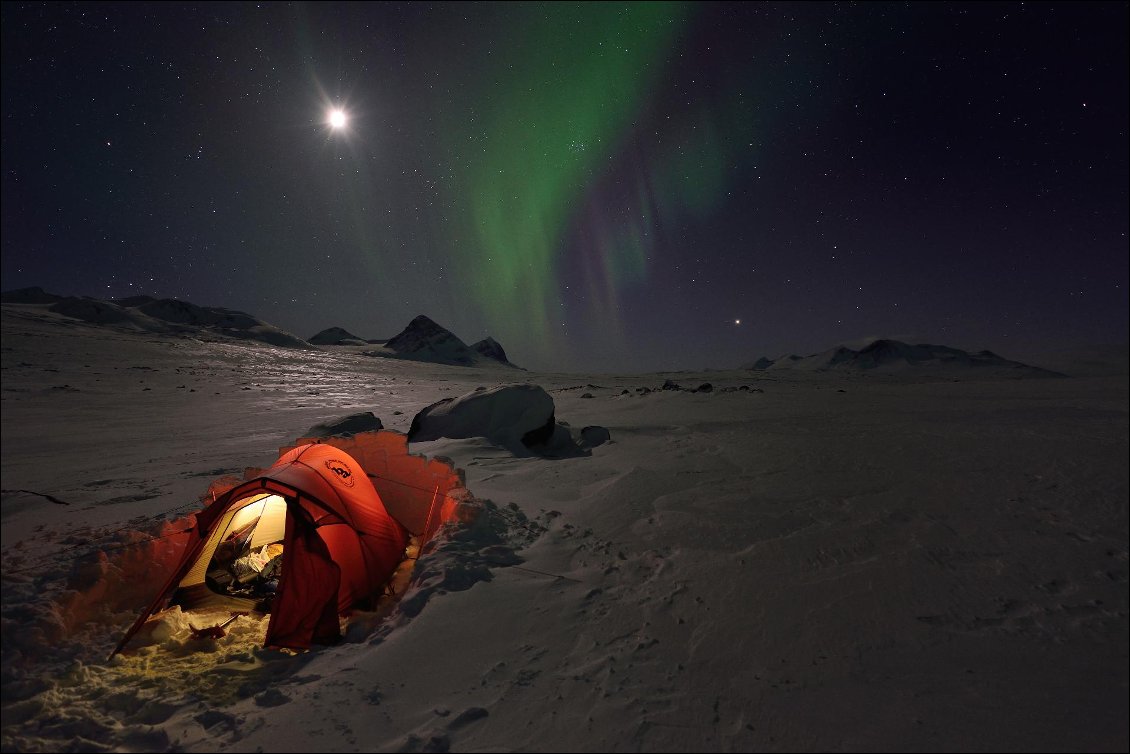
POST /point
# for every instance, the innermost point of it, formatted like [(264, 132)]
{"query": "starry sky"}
[(607, 186)]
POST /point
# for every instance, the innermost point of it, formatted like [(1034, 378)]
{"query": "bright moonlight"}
[(337, 119)]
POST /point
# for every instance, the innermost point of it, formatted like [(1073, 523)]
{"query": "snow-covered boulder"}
[(510, 415), (346, 425), (519, 418)]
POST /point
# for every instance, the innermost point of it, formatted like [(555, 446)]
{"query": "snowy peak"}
[(893, 353), (422, 329), (885, 355), (336, 336), (492, 349), (425, 340)]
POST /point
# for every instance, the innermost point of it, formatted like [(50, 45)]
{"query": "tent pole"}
[(427, 522)]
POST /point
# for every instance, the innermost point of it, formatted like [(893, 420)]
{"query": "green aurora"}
[(544, 132)]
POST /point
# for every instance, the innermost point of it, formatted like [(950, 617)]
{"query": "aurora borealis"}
[(598, 186), (586, 72)]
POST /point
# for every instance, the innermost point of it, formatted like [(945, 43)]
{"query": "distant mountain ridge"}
[(421, 340), (148, 314), (894, 355)]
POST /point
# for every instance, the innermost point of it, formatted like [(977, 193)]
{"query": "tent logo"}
[(342, 471)]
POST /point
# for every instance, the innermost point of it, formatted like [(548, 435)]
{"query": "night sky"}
[(600, 187)]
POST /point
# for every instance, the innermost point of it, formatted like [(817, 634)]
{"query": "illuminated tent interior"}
[(317, 534), (251, 525)]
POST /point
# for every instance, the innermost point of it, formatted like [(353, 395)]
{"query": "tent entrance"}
[(240, 565)]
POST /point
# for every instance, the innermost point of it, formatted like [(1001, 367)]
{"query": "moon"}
[(337, 119)]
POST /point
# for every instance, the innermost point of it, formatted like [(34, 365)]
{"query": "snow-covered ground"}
[(835, 562)]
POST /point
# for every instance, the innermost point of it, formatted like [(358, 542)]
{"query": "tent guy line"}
[(547, 573)]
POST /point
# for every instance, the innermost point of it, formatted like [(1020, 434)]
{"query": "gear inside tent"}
[(316, 535)]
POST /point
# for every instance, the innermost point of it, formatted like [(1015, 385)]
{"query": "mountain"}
[(425, 340), (884, 355), (148, 314), (336, 336), (778, 363), (492, 349), (34, 295), (133, 300), (421, 340)]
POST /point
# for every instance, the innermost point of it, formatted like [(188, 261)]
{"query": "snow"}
[(839, 561)]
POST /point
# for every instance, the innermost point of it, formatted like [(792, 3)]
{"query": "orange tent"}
[(339, 543)]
